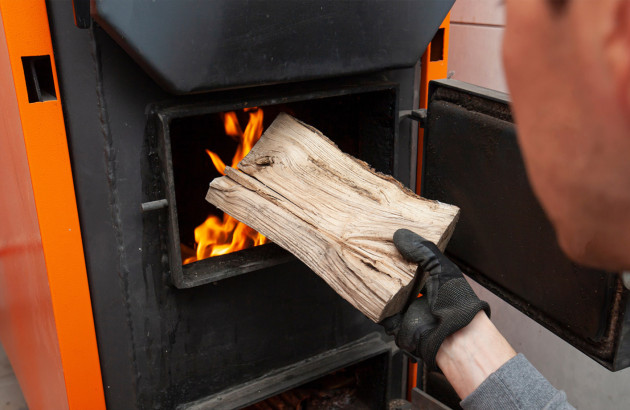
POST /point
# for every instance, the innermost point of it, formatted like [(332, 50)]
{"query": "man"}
[(576, 145)]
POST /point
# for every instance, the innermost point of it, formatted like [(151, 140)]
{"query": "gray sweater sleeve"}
[(516, 385)]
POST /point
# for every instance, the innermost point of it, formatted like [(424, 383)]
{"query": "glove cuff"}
[(455, 307)]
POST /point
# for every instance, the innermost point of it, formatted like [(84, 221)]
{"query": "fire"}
[(218, 236)]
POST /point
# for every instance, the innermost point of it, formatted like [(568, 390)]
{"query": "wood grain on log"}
[(333, 212)]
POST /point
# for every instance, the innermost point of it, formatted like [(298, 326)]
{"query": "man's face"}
[(565, 72)]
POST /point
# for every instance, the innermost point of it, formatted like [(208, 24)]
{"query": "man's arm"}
[(449, 327), (473, 353), (483, 369)]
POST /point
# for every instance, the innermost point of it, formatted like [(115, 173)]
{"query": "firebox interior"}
[(362, 122)]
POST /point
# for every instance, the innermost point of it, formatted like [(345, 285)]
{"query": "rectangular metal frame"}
[(297, 374), (263, 256)]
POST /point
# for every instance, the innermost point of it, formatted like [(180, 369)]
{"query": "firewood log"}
[(333, 212)]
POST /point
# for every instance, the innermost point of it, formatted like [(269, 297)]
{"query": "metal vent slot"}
[(40, 83)]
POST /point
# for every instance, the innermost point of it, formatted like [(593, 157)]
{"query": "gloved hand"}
[(447, 305)]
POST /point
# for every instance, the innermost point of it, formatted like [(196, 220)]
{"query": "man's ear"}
[(617, 51)]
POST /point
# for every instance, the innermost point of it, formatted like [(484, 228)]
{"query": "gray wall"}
[(475, 57), (11, 397)]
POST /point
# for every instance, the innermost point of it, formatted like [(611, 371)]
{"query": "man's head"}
[(567, 64)]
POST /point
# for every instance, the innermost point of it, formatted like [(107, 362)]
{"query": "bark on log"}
[(333, 212)]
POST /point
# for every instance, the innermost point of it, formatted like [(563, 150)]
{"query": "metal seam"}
[(109, 156)]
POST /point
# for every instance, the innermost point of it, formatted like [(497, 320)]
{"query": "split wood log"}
[(333, 212)]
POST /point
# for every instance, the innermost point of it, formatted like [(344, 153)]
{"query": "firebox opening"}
[(351, 121), (360, 117), (219, 233), (358, 387)]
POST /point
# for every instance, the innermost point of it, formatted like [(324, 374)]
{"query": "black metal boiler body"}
[(143, 85)]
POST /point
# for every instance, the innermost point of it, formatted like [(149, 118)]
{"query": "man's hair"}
[(558, 6)]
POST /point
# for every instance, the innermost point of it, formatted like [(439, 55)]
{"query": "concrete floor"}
[(10, 393)]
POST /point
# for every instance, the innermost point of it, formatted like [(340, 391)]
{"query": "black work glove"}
[(447, 305)]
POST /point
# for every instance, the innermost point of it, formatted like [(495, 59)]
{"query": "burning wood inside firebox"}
[(222, 235)]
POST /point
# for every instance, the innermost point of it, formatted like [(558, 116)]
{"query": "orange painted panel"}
[(27, 326), (430, 70), (45, 294)]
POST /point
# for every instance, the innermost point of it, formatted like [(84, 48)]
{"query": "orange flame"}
[(218, 236)]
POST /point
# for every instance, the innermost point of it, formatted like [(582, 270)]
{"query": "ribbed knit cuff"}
[(516, 385)]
